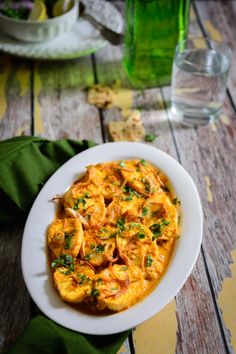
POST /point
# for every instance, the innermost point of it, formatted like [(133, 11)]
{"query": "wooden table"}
[(48, 99)]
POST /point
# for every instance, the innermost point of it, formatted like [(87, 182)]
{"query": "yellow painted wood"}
[(23, 79), (199, 42), (213, 126), (225, 119), (38, 122), (212, 31), (226, 300), (192, 15), (208, 187), (21, 131), (4, 74), (157, 335)]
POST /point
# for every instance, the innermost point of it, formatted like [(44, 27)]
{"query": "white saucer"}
[(82, 40)]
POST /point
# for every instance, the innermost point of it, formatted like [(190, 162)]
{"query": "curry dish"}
[(113, 237)]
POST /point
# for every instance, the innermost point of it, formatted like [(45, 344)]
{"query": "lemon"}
[(61, 6), (38, 12)]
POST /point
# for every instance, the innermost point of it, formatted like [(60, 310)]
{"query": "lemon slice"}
[(38, 12), (61, 6)]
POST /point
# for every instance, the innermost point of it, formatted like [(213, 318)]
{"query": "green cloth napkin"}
[(43, 336), (25, 165)]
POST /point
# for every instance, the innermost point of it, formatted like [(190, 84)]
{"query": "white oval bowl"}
[(34, 257), (39, 31)]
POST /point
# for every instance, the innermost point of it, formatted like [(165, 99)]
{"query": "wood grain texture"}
[(157, 335), (15, 103), (14, 298), (222, 28), (219, 17), (60, 106), (226, 301), (204, 152), (15, 93)]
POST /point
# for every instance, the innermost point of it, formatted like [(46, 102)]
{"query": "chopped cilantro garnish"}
[(83, 278), (79, 201), (175, 201), (64, 260), (121, 223), (128, 198), (140, 235), (125, 188), (144, 211), (143, 162), (133, 224), (100, 248), (87, 257), (149, 261), (158, 228), (124, 268), (68, 237), (150, 138), (95, 292), (66, 272), (113, 234), (131, 191), (165, 222)]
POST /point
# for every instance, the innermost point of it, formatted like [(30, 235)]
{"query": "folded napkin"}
[(25, 165)]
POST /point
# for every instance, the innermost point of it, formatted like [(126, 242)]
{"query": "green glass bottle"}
[(153, 29)]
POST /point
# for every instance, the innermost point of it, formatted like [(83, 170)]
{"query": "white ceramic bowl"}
[(34, 255), (39, 31)]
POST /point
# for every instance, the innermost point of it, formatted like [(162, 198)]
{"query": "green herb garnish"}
[(143, 162), (150, 138), (144, 211), (128, 198), (83, 278), (175, 201), (121, 223), (79, 201), (95, 292), (100, 248), (149, 261), (64, 260), (158, 228), (68, 237), (140, 235)]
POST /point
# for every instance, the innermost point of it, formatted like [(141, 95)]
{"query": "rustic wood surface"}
[(49, 100)]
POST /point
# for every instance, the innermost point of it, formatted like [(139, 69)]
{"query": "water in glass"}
[(199, 84)]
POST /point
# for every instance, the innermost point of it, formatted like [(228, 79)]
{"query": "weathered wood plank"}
[(209, 152), (14, 299), (15, 119), (15, 106), (218, 21), (60, 107)]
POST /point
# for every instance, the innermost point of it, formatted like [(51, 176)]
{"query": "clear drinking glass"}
[(199, 78)]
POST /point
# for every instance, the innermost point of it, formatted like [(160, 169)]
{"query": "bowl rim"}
[(49, 20)]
